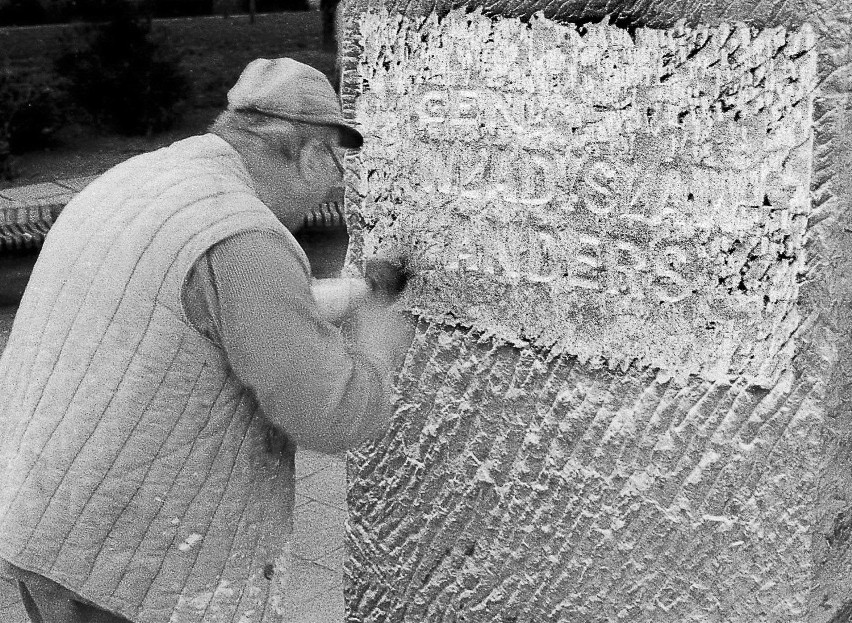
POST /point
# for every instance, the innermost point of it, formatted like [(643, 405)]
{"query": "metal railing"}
[(24, 227)]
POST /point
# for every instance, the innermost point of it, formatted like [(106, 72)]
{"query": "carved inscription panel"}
[(630, 199)]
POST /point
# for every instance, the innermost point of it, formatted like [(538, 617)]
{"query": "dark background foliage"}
[(30, 12), (31, 113), (78, 98), (121, 76)]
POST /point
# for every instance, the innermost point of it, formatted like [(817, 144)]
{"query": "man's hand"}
[(383, 333), (386, 277), (383, 283), (378, 329), (338, 297), (384, 336)]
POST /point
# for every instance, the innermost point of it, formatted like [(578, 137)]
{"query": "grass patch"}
[(214, 51)]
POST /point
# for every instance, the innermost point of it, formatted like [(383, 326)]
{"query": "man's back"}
[(135, 463)]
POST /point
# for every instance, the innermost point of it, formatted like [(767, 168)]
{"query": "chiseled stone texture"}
[(519, 486), (637, 197), (525, 479)]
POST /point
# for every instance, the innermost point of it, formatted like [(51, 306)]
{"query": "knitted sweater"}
[(135, 466), (248, 294)]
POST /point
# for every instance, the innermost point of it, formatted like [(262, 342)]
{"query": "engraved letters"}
[(609, 193)]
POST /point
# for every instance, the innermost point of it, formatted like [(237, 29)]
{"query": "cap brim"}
[(350, 137)]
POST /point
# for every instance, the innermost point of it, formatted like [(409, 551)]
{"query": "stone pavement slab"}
[(34, 192), (77, 183), (318, 530), (327, 485), (311, 580), (325, 608), (309, 462), (334, 560)]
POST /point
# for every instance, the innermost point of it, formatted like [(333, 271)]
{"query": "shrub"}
[(122, 77), (22, 12), (180, 8), (31, 112), (273, 6)]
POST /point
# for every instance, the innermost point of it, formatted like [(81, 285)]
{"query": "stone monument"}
[(627, 397)]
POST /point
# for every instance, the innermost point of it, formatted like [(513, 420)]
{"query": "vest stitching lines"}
[(95, 351), (177, 477)]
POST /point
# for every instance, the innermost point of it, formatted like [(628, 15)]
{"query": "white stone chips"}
[(626, 199)]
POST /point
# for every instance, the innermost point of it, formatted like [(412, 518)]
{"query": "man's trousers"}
[(48, 602)]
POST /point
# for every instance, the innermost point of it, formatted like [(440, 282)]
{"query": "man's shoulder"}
[(203, 164), (191, 186)]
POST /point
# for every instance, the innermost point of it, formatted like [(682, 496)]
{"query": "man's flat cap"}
[(288, 89)]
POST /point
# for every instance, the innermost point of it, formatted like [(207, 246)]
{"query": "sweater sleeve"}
[(251, 294)]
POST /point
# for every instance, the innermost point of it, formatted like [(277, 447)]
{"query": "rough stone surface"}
[(525, 480), (634, 197), (520, 486)]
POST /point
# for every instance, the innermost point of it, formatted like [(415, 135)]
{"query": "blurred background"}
[(86, 84)]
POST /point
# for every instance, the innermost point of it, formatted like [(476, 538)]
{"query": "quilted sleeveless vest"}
[(134, 467)]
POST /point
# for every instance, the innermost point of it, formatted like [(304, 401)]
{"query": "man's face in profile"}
[(292, 188)]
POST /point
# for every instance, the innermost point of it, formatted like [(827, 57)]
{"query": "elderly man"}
[(166, 360)]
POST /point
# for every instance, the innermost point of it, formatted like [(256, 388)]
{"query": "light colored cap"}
[(288, 89)]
